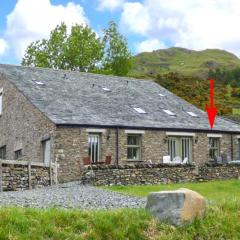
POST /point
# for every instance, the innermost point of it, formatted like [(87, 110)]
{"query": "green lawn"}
[(222, 220), (215, 190)]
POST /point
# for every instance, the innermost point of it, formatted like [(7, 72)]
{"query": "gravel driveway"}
[(70, 195)]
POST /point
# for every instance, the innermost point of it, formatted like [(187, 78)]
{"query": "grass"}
[(182, 61), (221, 221), (23, 223), (214, 190), (236, 111)]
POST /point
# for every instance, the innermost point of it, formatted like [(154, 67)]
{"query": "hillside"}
[(185, 73), (184, 61)]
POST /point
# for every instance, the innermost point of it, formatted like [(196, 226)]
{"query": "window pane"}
[(46, 146), (133, 140), (18, 154), (129, 153), (180, 147), (172, 148), (93, 147), (214, 147), (133, 153), (186, 148), (3, 152)]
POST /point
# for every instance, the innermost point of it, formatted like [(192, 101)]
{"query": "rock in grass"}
[(177, 207)]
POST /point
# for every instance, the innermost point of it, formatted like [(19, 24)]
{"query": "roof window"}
[(169, 112), (139, 110), (162, 95), (106, 89), (39, 83), (192, 114)]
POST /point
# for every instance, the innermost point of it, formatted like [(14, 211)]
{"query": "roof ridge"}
[(229, 119), (79, 72)]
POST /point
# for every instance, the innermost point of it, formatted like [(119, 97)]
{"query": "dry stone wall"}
[(144, 174), (22, 177)]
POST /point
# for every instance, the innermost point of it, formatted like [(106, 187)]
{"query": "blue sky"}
[(147, 24)]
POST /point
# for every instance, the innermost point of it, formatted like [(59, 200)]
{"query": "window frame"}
[(214, 148), (94, 158), (18, 156), (4, 147), (137, 146), (176, 144), (43, 148)]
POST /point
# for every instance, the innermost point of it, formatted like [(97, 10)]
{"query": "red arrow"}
[(211, 110)]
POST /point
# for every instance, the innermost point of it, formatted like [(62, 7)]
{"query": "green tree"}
[(80, 50), (117, 57)]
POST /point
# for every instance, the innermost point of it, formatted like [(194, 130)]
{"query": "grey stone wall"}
[(22, 125), (145, 174), (16, 177), (71, 146)]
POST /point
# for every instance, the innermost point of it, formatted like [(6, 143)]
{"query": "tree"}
[(117, 58), (80, 50), (83, 49)]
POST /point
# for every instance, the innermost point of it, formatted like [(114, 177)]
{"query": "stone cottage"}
[(67, 117)]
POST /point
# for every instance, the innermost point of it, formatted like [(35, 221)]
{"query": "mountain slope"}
[(185, 73), (184, 61)]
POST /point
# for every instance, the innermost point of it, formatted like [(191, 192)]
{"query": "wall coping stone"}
[(157, 174), (138, 166), (23, 163)]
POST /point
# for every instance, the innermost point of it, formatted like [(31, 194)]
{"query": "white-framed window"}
[(192, 114), (46, 151), (140, 110), (214, 147), (94, 147), (18, 154), (180, 147), (134, 147), (170, 113)]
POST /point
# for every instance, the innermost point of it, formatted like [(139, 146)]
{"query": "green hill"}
[(185, 73), (184, 61)]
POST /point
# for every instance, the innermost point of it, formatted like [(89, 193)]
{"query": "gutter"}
[(117, 146), (146, 128)]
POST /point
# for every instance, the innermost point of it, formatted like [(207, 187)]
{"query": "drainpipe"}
[(232, 147), (117, 147)]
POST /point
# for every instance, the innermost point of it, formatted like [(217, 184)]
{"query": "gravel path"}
[(70, 195)]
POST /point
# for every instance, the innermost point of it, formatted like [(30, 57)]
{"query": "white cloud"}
[(110, 5), (3, 46), (32, 20), (195, 24), (149, 45)]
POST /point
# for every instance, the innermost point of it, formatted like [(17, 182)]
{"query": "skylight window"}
[(169, 112), (139, 110), (39, 83), (106, 89), (192, 114), (162, 95)]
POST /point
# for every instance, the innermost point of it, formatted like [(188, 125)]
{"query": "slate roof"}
[(73, 98)]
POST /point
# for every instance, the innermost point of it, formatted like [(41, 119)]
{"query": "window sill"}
[(134, 161)]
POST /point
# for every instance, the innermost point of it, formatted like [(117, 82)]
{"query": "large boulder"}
[(177, 207)]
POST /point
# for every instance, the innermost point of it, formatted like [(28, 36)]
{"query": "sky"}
[(147, 24)]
